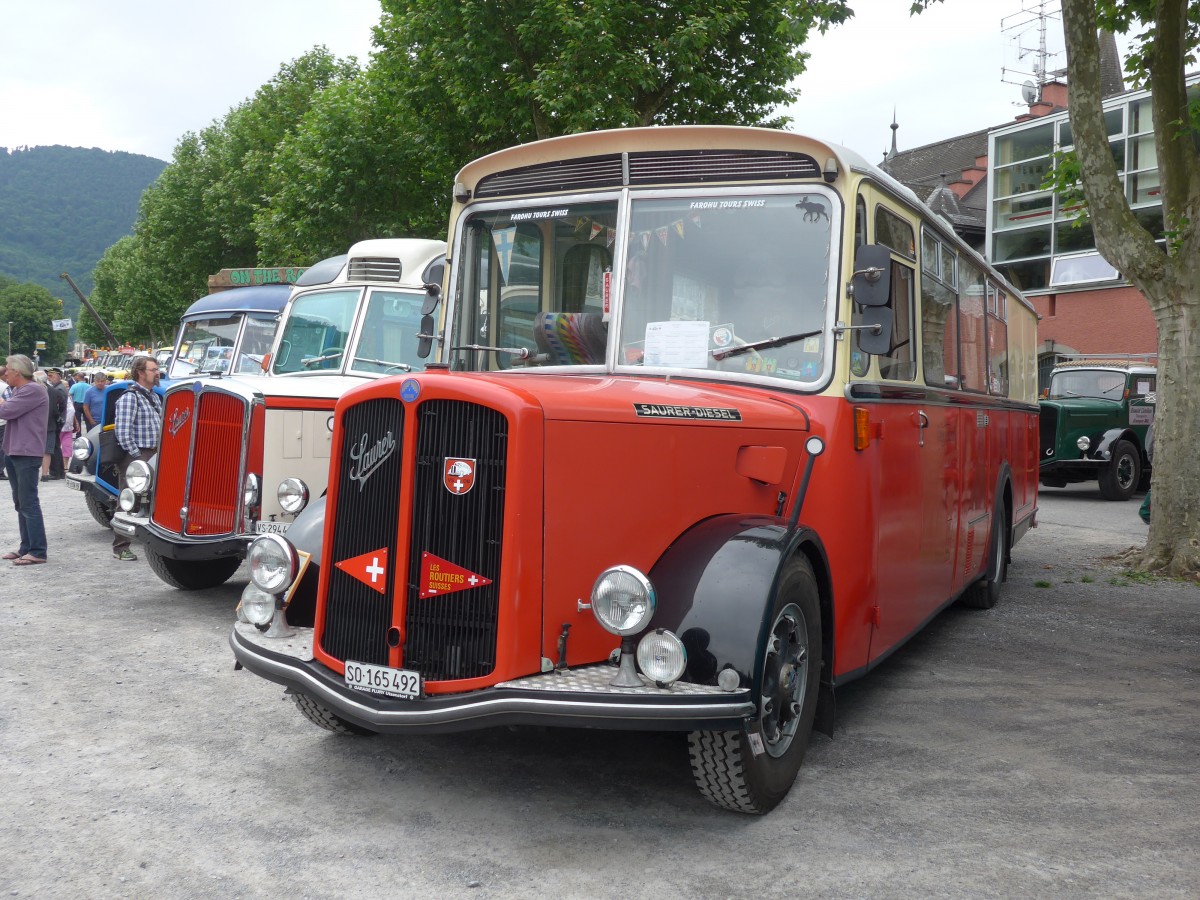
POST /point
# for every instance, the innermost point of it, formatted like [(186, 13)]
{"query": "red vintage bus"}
[(721, 418)]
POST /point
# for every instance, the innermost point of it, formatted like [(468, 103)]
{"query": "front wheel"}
[(323, 717), (1119, 479), (752, 770), (189, 575), (102, 513)]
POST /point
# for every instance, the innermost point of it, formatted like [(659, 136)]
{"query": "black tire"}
[(1052, 482), (102, 513), (189, 575), (984, 593), (326, 718), (751, 770), (1119, 479)]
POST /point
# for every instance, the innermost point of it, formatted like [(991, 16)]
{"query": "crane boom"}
[(112, 341)]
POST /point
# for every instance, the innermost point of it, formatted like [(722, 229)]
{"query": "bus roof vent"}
[(374, 268), (589, 173), (719, 165), (672, 167)]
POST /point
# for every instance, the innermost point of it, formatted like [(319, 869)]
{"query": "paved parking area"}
[(1047, 747)]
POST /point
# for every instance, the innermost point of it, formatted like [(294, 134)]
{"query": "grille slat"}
[(357, 617), (213, 460), (454, 636)]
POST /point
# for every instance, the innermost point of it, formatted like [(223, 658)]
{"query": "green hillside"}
[(62, 207)]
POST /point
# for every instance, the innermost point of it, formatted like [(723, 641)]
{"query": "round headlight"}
[(81, 448), (250, 491), (292, 494), (127, 500), (137, 476), (257, 605), (272, 563), (1083, 443), (661, 656), (623, 600)]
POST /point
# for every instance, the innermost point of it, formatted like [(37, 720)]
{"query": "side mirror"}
[(428, 333), (875, 330), (433, 293), (870, 285)]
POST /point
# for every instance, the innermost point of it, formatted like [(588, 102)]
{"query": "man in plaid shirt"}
[(137, 424)]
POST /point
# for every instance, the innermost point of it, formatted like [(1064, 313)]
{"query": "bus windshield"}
[(707, 282), (316, 330), (206, 346)]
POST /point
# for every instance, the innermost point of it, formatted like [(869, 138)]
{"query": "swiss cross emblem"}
[(458, 475), (370, 568), (440, 576)]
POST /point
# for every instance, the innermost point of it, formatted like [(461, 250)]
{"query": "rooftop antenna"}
[(1034, 13)]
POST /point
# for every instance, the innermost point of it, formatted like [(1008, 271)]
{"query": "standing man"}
[(138, 422), (78, 392), (93, 401), (52, 465), (24, 439)]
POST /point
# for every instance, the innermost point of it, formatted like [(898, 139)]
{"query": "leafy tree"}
[(31, 308), (490, 73), (1166, 35), (360, 166), (198, 217)]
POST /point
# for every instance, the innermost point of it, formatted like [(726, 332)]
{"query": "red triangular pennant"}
[(440, 576), (370, 568)]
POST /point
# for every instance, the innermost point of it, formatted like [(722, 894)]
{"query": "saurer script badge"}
[(370, 568), (458, 475), (440, 576)]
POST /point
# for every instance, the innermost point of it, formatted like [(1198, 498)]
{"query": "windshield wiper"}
[(518, 352), (725, 352), (384, 362)]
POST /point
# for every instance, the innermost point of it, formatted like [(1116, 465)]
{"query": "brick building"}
[(988, 185)]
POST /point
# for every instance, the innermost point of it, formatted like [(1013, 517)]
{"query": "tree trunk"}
[(1169, 280)]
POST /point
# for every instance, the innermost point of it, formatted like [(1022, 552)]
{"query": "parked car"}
[(1094, 418)]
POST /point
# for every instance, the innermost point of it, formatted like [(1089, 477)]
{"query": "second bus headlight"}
[(137, 476), (272, 562), (81, 448), (292, 495), (623, 600)]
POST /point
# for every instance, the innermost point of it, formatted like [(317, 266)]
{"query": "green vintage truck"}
[(1094, 418)]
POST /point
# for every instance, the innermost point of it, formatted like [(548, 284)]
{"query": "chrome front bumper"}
[(579, 697), (172, 546)]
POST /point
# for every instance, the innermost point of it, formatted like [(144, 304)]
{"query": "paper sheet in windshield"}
[(681, 344)]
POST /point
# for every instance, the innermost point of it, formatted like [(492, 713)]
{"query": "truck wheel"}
[(326, 718), (101, 513), (1052, 482), (751, 770), (1119, 479), (984, 593), (191, 575)]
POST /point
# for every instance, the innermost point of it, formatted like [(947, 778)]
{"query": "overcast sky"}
[(136, 75)]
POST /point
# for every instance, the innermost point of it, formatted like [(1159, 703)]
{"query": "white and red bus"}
[(722, 417)]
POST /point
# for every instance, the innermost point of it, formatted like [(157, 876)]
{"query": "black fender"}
[(1109, 439), (715, 586)]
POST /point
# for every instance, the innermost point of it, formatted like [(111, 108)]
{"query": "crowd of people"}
[(40, 416)]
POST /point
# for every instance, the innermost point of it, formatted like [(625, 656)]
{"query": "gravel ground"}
[(1043, 748)]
